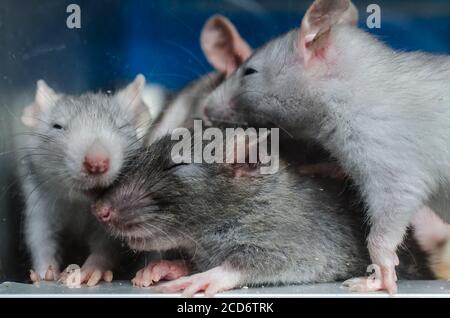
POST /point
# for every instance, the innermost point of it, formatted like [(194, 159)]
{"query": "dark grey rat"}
[(77, 146), (383, 114), (254, 230)]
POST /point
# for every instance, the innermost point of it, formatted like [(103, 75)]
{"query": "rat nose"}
[(96, 165), (96, 160), (104, 213)]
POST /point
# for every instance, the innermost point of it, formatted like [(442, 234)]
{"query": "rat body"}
[(77, 146), (184, 107), (237, 229), (381, 113)]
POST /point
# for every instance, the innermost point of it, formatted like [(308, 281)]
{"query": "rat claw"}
[(35, 277), (95, 278), (215, 280), (108, 276), (51, 274), (363, 284), (384, 279), (158, 270), (90, 275)]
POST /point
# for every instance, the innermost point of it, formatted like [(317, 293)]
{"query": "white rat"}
[(76, 147), (383, 114)]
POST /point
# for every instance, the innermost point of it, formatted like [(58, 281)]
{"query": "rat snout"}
[(97, 159), (104, 212)]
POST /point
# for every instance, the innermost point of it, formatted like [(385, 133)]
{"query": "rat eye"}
[(249, 71), (57, 126), (176, 165)]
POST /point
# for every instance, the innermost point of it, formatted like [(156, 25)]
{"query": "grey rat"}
[(188, 104), (383, 114), (76, 146), (255, 229)]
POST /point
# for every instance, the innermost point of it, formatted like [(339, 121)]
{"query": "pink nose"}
[(104, 213), (96, 164)]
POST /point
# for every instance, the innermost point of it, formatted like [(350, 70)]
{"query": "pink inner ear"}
[(223, 46), (314, 33)]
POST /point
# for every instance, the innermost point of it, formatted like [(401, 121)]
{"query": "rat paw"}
[(211, 282), (160, 270), (383, 279), (363, 285), (92, 276), (51, 274), (73, 276)]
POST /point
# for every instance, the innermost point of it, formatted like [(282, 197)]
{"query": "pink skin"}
[(52, 274), (223, 46), (213, 281), (385, 279), (364, 285), (94, 270), (429, 229), (160, 270), (96, 161)]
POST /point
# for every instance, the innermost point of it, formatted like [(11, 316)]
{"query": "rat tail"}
[(433, 236)]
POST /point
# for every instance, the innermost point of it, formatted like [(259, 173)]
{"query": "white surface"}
[(407, 289)]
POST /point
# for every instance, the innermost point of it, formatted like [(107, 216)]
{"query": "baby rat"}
[(76, 147), (383, 114), (283, 228)]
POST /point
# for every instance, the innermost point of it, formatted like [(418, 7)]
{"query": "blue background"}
[(160, 38)]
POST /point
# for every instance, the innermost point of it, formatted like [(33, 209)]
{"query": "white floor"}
[(428, 289)]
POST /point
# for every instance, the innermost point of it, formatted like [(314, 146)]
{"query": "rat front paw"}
[(211, 282), (90, 275), (160, 270), (50, 274)]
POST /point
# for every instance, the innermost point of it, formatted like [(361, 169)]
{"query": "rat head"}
[(263, 88), (81, 142), (158, 199)]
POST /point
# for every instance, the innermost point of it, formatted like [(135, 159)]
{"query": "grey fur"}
[(273, 229)]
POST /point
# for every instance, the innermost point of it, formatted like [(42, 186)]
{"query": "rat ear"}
[(321, 16), (130, 98), (223, 46), (45, 98)]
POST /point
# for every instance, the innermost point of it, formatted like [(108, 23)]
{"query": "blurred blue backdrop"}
[(160, 38)]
